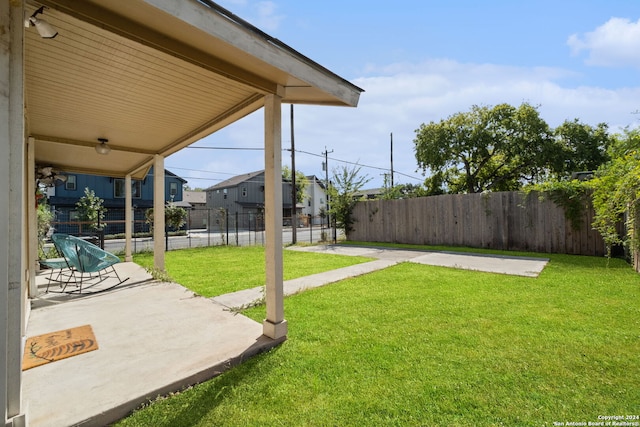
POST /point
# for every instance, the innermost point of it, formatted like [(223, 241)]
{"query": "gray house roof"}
[(370, 193), (235, 181), (195, 197)]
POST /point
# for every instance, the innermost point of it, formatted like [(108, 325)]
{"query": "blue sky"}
[(422, 61)]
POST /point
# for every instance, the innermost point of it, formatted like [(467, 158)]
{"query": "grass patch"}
[(218, 270), (423, 345)]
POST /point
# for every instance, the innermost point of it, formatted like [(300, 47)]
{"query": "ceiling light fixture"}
[(46, 30), (102, 147)]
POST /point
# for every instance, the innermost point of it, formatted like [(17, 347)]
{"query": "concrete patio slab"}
[(516, 266), (154, 338), (398, 255), (512, 265)]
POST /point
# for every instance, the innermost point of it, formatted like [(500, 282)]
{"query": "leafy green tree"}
[(44, 219), (301, 183), (617, 191), (572, 195), (389, 192), (584, 148), (497, 148), (408, 191), (90, 209), (187, 187), (343, 195), (402, 191), (174, 216)]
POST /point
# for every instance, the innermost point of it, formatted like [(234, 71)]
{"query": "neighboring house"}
[(195, 199), (370, 194), (196, 203), (63, 199), (243, 195), (583, 176), (315, 201)]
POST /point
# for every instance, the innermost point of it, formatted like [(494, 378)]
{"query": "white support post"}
[(32, 216), (274, 326), (158, 212), (5, 123), (128, 205), (13, 217)]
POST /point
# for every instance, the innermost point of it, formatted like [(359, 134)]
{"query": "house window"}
[(173, 188), (70, 184), (118, 189), (225, 193), (244, 191)]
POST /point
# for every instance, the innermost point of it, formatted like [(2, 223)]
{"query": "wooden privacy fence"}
[(503, 220)]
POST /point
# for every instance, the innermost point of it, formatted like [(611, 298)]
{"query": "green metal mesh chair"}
[(57, 265), (87, 262)]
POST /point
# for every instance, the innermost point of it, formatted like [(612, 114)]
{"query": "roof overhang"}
[(152, 77)]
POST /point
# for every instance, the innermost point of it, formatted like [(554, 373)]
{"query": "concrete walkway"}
[(519, 266)]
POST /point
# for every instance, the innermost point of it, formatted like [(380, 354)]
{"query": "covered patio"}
[(147, 78), (153, 338)]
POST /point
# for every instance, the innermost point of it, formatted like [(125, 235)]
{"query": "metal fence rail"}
[(203, 227)]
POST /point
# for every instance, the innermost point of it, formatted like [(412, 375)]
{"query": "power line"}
[(229, 148), (408, 176), (358, 164), (200, 170), (297, 151)]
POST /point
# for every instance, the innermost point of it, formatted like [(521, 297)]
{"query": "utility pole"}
[(326, 183), (391, 160), (294, 195)]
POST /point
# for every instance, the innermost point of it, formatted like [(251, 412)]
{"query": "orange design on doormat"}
[(47, 348)]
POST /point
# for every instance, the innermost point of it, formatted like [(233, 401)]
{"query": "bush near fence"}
[(501, 220)]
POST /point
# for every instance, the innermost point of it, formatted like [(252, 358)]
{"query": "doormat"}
[(47, 348)]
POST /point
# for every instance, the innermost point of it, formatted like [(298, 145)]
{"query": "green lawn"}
[(420, 345), (218, 270)]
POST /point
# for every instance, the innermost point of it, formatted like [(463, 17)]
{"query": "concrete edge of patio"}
[(108, 417)]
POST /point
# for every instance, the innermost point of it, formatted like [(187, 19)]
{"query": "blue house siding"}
[(67, 195)]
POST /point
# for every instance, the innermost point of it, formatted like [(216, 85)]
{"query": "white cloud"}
[(407, 96), (268, 18), (613, 44), (262, 14), (400, 97)]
